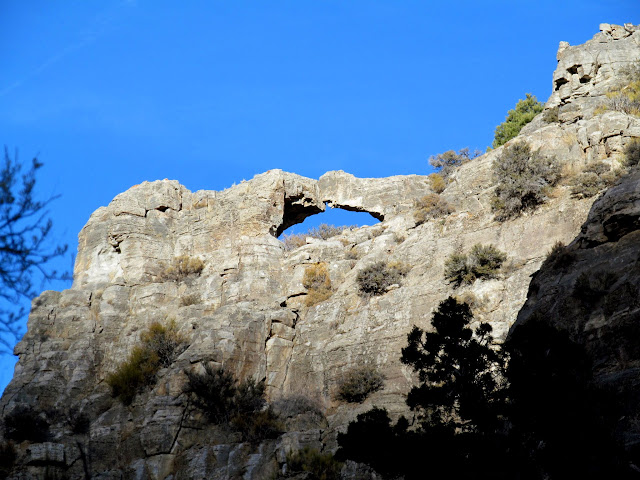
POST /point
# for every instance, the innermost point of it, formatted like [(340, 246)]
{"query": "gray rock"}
[(246, 309)]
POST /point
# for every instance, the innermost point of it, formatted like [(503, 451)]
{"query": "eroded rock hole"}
[(329, 223), (560, 82)]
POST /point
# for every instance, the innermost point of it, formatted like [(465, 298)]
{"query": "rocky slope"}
[(247, 309)]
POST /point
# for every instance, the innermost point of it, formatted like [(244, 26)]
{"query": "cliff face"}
[(590, 291), (249, 313)]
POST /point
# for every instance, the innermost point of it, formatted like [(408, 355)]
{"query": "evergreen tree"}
[(516, 119), (460, 373)]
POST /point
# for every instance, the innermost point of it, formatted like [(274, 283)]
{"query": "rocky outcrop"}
[(590, 291), (246, 309)]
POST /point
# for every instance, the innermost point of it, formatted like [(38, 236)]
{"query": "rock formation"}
[(247, 309)]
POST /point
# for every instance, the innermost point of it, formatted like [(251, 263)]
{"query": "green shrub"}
[(160, 346), (164, 342), (483, 261), (524, 112), (318, 466), (183, 267), (134, 374), (431, 206), (632, 153), (357, 384), (523, 179), (322, 232), (317, 281), (437, 182), (26, 424), (377, 278), (447, 162)]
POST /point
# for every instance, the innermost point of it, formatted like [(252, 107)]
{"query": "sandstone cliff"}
[(250, 315)]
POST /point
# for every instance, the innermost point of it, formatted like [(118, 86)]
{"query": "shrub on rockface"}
[(8, 457), (524, 112), (377, 278), (483, 261), (447, 162), (431, 206), (323, 232), (160, 346), (316, 465), (24, 423), (626, 98), (559, 256), (437, 182), (183, 267), (225, 401), (632, 153), (596, 177), (357, 384), (523, 179), (317, 281)]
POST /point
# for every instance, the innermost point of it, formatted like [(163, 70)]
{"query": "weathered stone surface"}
[(607, 322), (246, 309)]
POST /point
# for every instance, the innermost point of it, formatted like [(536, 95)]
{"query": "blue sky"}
[(111, 93)]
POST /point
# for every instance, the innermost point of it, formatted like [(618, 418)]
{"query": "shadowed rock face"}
[(592, 293), (247, 311)]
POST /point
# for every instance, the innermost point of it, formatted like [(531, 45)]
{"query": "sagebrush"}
[(225, 401), (377, 278), (596, 177), (317, 281), (437, 182), (523, 179), (626, 98), (483, 261), (183, 267), (632, 153), (357, 384), (431, 206)]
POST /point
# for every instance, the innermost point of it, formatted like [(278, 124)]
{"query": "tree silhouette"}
[(461, 382), (25, 248)]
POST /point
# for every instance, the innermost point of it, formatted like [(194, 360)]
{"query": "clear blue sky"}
[(111, 93)]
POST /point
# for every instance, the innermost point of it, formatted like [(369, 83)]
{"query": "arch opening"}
[(337, 216)]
